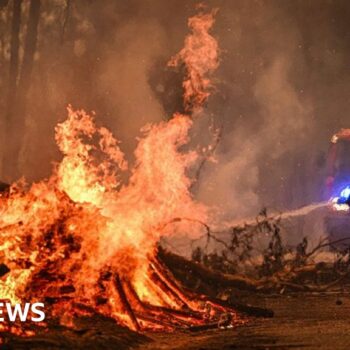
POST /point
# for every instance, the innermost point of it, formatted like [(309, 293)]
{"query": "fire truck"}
[(338, 187)]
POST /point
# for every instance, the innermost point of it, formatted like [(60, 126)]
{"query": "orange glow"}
[(86, 235), (200, 57)]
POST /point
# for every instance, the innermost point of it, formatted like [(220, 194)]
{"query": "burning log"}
[(219, 280), (178, 306), (142, 312), (125, 302)]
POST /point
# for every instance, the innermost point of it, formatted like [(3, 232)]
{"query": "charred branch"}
[(211, 277)]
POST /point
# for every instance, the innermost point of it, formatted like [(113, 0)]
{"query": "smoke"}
[(123, 76), (268, 148), (286, 118), (229, 183), (281, 89)]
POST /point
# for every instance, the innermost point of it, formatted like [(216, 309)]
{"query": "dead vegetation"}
[(236, 263)]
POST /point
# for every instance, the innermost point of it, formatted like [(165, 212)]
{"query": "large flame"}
[(86, 235)]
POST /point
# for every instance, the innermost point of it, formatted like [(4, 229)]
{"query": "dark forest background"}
[(282, 88)]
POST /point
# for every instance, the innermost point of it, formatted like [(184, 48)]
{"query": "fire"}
[(88, 241), (200, 57)]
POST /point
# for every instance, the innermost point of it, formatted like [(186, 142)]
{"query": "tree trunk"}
[(13, 72), (12, 84), (3, 3), (17, 118), (65, 21)]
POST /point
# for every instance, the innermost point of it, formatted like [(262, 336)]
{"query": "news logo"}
[(22, 312)]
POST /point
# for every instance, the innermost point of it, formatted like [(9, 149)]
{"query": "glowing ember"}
[(87, 242)]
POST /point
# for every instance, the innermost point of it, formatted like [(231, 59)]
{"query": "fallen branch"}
[(209, 276)]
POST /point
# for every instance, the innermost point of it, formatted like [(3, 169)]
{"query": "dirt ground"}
[(313, 321), (301, 321)]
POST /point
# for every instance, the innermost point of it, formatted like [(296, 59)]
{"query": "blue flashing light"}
[(344, 196)]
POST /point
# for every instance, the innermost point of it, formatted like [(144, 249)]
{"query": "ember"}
[(84, 242)]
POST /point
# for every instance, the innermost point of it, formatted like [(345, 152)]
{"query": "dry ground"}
[(301, 322)]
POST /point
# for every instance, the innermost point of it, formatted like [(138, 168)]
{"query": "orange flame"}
[(84, 234), (200, 57)]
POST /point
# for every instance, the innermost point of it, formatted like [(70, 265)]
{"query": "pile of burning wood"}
[(85, 243)]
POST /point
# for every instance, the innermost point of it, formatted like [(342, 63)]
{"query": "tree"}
[(12, 84), (18, 94)]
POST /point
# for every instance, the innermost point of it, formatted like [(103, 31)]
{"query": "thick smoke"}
[(281, 88)]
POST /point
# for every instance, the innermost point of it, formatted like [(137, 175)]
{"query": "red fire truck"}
[(338, 186)]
